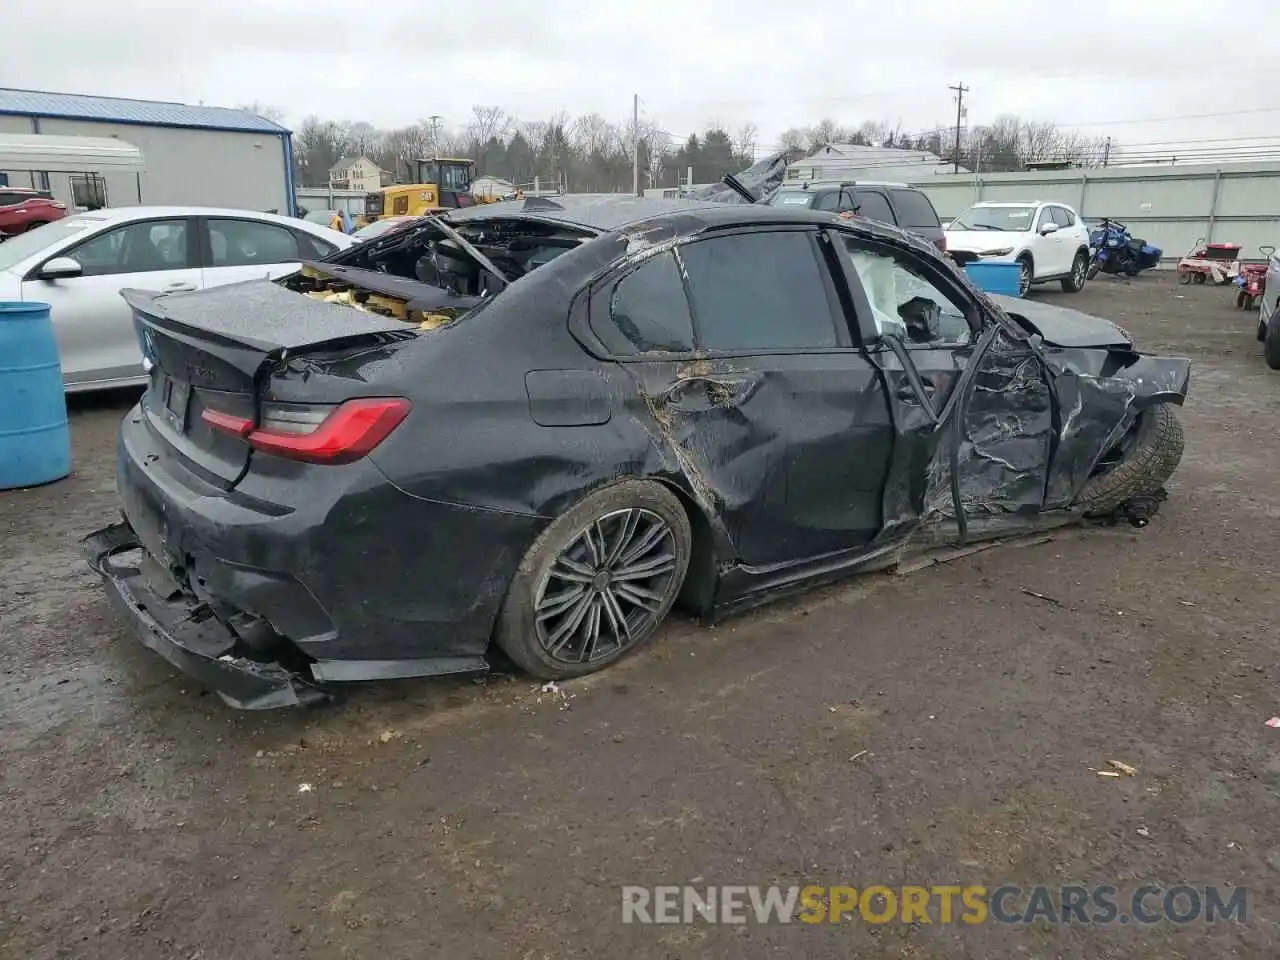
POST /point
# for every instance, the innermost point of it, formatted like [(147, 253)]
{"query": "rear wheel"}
[(597, 583), (1079, 271), (1138, 466)]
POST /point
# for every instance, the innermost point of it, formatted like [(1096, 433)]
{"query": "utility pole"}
[(960, 90), (1106, 152), (435, 119), (635, 144)]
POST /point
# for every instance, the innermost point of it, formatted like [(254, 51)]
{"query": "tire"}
[(1079, 274), (1150, 452), (1262, 330), (1240, 300), (1093, 269), (1026, 273), (1271, 341), (592, 537), (1197, 278)]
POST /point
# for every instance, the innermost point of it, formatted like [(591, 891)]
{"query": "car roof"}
[(606, 213), (110, 215)]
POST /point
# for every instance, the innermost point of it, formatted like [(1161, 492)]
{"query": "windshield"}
[(23, 245), (792, 198), (1009, 219)]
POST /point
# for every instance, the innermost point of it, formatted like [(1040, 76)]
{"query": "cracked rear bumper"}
[(185, 632)]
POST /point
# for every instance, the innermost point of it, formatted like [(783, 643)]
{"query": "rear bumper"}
[(185, 632)]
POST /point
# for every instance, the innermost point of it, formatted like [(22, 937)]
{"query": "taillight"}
[(317, 433)]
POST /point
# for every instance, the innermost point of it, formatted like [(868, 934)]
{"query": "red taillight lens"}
[(315, 434)]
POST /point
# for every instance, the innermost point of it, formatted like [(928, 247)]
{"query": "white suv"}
[(1048, 240)]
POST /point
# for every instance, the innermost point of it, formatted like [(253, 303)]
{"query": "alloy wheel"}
[(1079, 271), (607, 588), (1024, 278)]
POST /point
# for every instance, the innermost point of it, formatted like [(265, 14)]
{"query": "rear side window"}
[(914, 209), (314, 248), (646, 311), (873, 205), (238, 243), (758, 291)]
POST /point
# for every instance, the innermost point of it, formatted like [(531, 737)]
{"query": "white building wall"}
[(201, 167)]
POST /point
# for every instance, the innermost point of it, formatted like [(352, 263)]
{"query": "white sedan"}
[(80, 264)]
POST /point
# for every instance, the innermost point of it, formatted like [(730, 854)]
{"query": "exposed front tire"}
[(1138, 466), (1271, 341), (1079, 272), (597, 583)]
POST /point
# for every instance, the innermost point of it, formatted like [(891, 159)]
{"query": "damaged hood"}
[(1062, 326), (761, 180)]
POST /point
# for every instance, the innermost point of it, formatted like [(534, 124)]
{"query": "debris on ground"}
[(305, 788), (1273, 722), (1124, 768), (552, 690), (1041, 596), (1111, 774), (1144, 832)]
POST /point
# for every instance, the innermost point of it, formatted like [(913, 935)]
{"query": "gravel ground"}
[(141, 818)]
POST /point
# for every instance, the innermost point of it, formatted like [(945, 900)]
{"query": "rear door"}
[(237, 249), (916, 214), (754, 385), (94, 327)]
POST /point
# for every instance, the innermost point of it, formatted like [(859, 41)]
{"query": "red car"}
[(22, 209)]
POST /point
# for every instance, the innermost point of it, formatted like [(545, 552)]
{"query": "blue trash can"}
[(35, 441), (995, 277)]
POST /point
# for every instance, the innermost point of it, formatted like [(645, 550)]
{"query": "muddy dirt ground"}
[(141, 818)]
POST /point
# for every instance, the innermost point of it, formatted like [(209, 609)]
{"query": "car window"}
[(1062, 217), (237, 243), (1046, 216), (914, 209), (8, 199), (872, 205), (829, 201), (758, 291), (645, 311), (904, 301), (313, 248), (134, 248)]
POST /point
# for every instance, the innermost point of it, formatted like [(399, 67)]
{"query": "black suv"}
[(896, 203)]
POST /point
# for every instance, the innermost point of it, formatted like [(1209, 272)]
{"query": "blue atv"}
[(1113, 250)]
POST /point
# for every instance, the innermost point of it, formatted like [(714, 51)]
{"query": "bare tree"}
[(488, 123), (794, 138), (745, 141), (364, 138)]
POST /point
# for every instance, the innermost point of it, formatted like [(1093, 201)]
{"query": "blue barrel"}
[(35, 442), (995, 277)]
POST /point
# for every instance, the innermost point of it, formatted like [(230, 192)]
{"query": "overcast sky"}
[(392, 62)]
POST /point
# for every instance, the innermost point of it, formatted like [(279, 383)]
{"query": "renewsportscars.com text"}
[(1101, 904)]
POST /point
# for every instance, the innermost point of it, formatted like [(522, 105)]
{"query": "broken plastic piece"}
[(1124, 768)]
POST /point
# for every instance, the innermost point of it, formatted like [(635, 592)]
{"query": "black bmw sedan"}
[(543, 423)]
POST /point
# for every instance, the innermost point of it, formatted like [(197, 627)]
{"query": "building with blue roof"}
[(212, 156)]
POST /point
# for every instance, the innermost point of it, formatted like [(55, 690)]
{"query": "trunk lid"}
[(212, 350)]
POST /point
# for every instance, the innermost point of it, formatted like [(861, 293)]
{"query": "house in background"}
[(355, 173)]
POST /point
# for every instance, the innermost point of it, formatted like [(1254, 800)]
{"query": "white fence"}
[(1172, 207)]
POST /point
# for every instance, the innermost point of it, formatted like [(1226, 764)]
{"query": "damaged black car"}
[(539, 425)]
